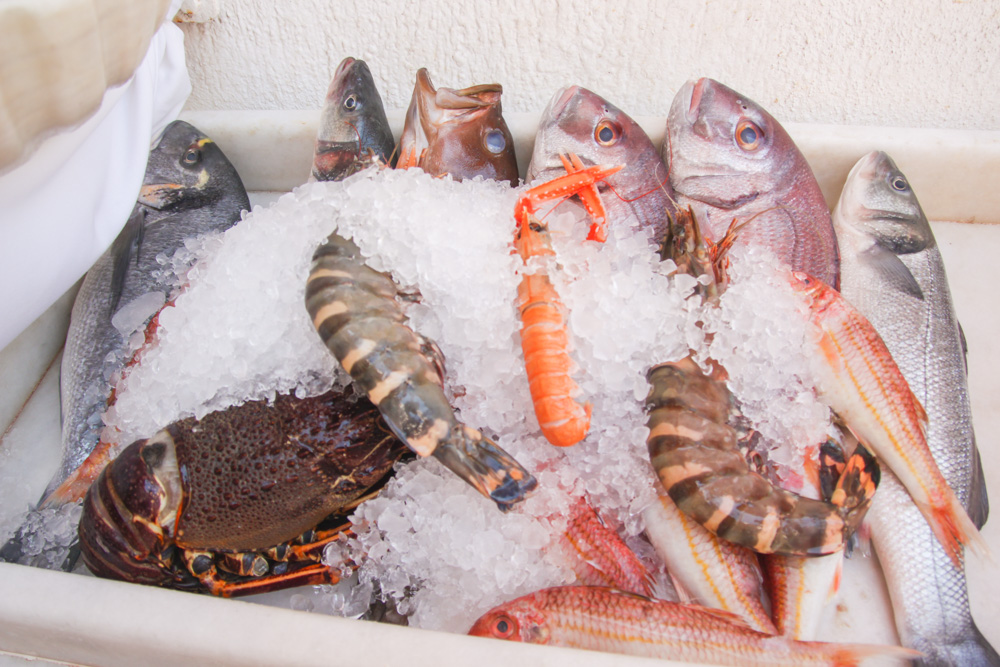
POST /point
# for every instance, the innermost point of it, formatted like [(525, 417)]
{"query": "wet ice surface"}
[(436, 547)]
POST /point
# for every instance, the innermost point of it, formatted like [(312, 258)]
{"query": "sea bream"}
[(731, 160), (189, 188), (583, 123), (893, 274), (353, 129), (457, 132)]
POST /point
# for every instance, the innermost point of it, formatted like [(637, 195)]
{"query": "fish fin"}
[(965, 347), (921, 413), (892, 269), (723, 615), (126, 246), (953, 528), (979, 502)]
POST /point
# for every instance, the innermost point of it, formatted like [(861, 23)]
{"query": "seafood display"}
[(893, 274), (731, 160), (215, 503), (355, 311), (605, 619), (190, 188), (580, 122), (365, 441), (353, 130), (457, 132)]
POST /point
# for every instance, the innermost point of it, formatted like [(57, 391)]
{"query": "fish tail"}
[(954, 529)]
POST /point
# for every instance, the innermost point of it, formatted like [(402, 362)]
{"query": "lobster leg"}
[(311, 575)]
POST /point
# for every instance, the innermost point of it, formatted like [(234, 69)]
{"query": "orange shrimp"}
[(544, 338)]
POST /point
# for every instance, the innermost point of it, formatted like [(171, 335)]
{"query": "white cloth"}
[(64, 206)]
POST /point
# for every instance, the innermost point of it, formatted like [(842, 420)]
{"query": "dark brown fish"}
[(457, 132)]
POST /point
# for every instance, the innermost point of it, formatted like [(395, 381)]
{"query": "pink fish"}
[(604, 619)]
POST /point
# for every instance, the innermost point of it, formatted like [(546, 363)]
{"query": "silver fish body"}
[(892, 273), (730, 159), (190, 188), (579, 121)]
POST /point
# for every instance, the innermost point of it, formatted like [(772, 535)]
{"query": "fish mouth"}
[(464, 99), (344, 65), (557, 105)]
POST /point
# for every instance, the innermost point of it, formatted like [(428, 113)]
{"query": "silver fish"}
[(353, 130), (731, 160), (582, 122), (893, 274), (189, 188)]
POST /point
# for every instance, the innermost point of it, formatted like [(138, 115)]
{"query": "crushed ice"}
[(438, 550)]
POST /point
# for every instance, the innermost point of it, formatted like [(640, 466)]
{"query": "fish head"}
[(188, 170), (458, 132), (580, 121), (521, 620), (353, 127), (818, 295), (877, 205), (724, 149)]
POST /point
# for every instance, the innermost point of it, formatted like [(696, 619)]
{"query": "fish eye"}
[(748, 135), (495, 141), (503, 626), (607, 133), (192, 156), (351, 103), (899, 184)]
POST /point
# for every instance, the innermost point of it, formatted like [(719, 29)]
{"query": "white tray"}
[(83, 620)]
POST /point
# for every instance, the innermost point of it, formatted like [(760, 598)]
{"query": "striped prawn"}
[(356, 311), (697, 455), (544, 338)]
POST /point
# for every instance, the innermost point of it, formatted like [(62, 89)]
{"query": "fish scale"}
[(882, 232)]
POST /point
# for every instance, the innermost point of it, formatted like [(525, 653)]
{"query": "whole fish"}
[(731, 160), (894, 275), (859, 380), (353, 129), (578, 121), (189, 188), (457, 132), (605, 619)]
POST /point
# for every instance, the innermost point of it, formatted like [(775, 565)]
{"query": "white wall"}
[(910, 63)]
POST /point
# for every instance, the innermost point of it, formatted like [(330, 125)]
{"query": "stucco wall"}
[(921, 63)]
